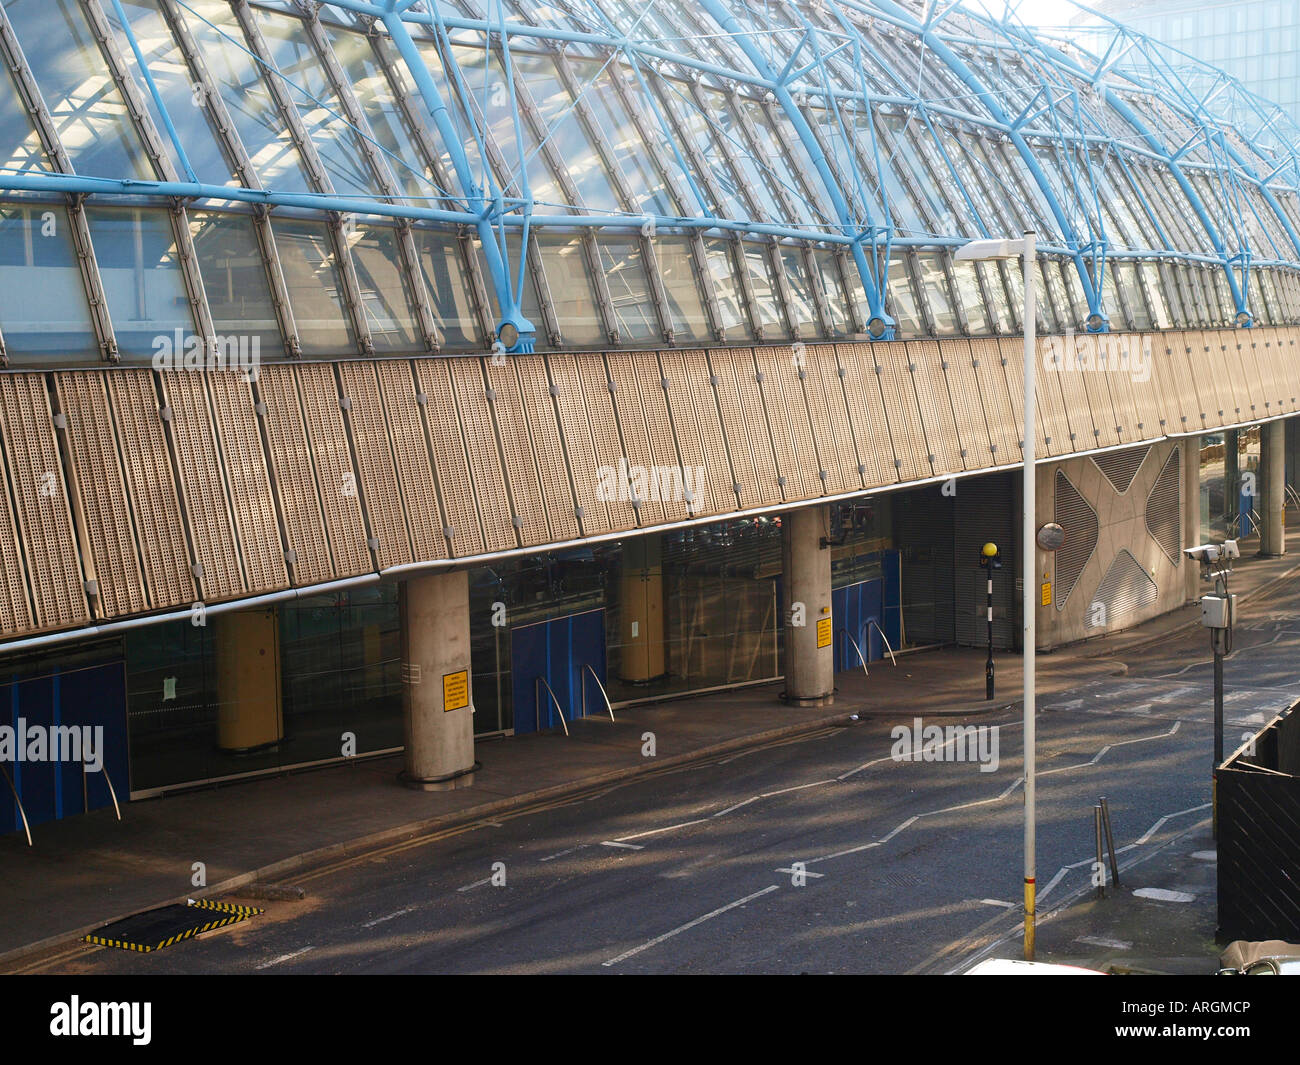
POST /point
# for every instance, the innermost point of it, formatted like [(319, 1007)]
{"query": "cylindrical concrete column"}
[(1272, 504), (1191, 448), (246, 646), (437, 695), (809, 627)]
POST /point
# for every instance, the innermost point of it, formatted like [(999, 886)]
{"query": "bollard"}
[(1101, 864), (1110, 842)]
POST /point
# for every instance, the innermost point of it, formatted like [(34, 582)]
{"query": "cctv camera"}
[(1204, 553), (1230, 549)]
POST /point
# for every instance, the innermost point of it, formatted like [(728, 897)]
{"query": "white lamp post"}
[(1027, 249)]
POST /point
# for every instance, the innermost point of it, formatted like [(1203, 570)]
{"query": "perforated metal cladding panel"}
[(637, 440), (1099, 384), (15, 603), (240, 444), (102, 488), (1061, 401), (415, 480), (1139, 355), (964, 395), (605, 435), (1267, 350), (151, 488), (1049, 412), (1177, 406), (1164, 512), (744, 420), (336, 476), (454, 481), (925, 364), (557, 493), (1120, 376), (1288, 371), (1208, 354), (995, 399), (902, 414), (1120, 467), (1125, 590), (830, 416), (579, 444), (1078, 397), (484, 456), (871, 439), (699, 433), (516, 448), (295, 475), (1075, 515), (380, 493), (1253, 363), (203, 494), (647, 378), (46, 536), (787, 420)]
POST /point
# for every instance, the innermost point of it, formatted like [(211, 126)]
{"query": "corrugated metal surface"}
[(456, 487), (1126, 590), (902, 414), (253, 505), (926, 365), (995, 401), (46, 536), (548, 450), (699, 433), (381, 496), (967, 408), (417, 487), (155, 504), (102, 490), (295, 475), (787, 419), (579, 446), (745, 423), (1053, 425), (1075, 515), (1176, 394), (1122, 394), (15, 600), (1078, 394), (339, 494), (507, 404), (476, 422), (875, 450), (1208, 354), (1254, 384), (1164, 511), (635, 434), (1120, 467), (599, 402), (203, 493), (649, 379), (825, 395), (1139, 355)]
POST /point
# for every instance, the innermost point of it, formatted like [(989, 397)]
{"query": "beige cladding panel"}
[(830, 416), (1254, 363), (449, 459), (295, 474), (593, 380), (1070, 393), (1099, 388), (244, 459), (203, 494), (743, 420), (380, 493), (796, 458), (1183, 407), (1113, 352), (926, 365), (579, 446), (335, 474), (44, 517), (1286, 367), (415, 478), (499, 532), (967, 405), (995, 398), (102, 490), (648, 379), (867, 415), (902, 414), (15, 606), (1049, 412), (712, 491), (507, 405), (638, 440), (1210, 354), (1136, 352), (164, 553), (553, 470)]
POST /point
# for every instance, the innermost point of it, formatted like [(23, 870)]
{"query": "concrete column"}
[(437, 693), (809, 647), (1231, 477), (1272, 495), (246, 647), (1191, 449), (641, 613)]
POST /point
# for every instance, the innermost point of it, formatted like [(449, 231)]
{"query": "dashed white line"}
[(737, 806), (285, 957), (387, 917), (998, 902), (477, 883), (654, 832), (625, 846), (800, 872), (689, 925)]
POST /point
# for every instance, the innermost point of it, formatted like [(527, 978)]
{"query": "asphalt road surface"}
[(820, 854)]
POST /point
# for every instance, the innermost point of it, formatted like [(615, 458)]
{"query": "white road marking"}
[(689, 925), (1163, 895), (841, 854), (998, 902), (906, 824), (1102, 941), (1160, 824), (737, 806), (864, 765), (561, 854), (387, 917), (797, 787), (800, 872), (655, 831), (625, 846), (477, 883), (284, 957), (1206, 856), (1060, 875), (1073, 704), (1109, 747)]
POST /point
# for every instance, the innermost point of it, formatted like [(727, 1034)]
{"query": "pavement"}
[(86, 871)]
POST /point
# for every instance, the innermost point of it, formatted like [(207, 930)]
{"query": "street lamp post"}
[(1027, 249), (989, 560)]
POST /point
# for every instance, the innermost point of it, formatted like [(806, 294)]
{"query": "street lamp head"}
[(990, 550), (992, 248)]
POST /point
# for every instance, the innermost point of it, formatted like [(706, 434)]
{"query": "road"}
[(907, 866)]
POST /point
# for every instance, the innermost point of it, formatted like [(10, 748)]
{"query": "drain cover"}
[(155, 929)]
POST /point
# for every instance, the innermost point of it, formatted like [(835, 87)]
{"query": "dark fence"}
[(1259, 835)]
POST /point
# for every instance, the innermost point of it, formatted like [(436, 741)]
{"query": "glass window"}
[(687, 317), (828, 279), (767, 312), (1126, 276), (20, 148), (1155, 295), (902, 300), (234, 278), (385, 290), (448, 285), (629, 290), (572, 291), (719, 252), (141, 274), (972, 300), (1119, 313), (315, 288), (934, 283), (802, 312), (44, 313)]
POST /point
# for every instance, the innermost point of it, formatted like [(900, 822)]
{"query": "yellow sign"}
[(1047, 594), (455, 690), (824, 632)]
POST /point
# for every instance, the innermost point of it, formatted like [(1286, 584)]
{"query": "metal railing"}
[(111, 790), (586, 668), (884, 639), (21, 812), (851, 640), (537, 705), (1293, 496)]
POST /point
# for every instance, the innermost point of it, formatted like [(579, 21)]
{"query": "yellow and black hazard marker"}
[(155, 929)]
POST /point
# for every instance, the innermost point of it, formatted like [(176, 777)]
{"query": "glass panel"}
[(448, 285), (730, 203), (972, 300), (1074, 292), (138, 264), (20, 147), (901, 299), (385, 291), (1004, 317), (934, 283), (572, 291), (43, 308), (1061, 307), (170, 74), (88, 112), (687, 316), (1160, 318), (315, 289), (629, 290), (433, 62), (1126, 277), (828, 278), (1119, 315), (803, 315), (722, 272), (237, 75), (234, 278), (767, 312)]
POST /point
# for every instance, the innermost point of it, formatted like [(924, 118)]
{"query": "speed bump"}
[(155, 929)]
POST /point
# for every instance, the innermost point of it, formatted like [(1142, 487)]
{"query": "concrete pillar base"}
[(825, 700), (463, 779)]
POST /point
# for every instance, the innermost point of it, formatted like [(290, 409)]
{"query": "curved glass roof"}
[(397, 177)]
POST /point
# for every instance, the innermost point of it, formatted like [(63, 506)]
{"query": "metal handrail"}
[(22, 813), (858, 649), (884, 639), (111, 790), (586, 668), (1295, 496), (537, 706)]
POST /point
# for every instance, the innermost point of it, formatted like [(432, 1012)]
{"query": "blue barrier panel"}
[(556, 650)]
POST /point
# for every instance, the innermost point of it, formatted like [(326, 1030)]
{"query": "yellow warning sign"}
[(824, 632), (455, 690), (1047, 593)]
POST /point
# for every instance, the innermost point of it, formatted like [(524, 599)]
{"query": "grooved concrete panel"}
[(380, 495), (902, 414), (477, 424), (867, 415), (995, 400), (415, 479), (449, 459), (927, 369), (579, 445), (552, 468)]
